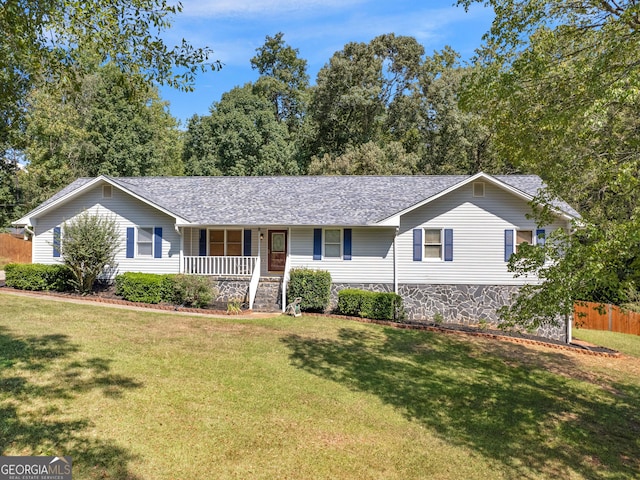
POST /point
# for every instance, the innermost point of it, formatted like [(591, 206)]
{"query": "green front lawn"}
[(137, 395)]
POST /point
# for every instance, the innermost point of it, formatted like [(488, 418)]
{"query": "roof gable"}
[(76, 189)]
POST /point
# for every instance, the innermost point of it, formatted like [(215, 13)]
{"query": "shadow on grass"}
[(534, 413), (36, 372)]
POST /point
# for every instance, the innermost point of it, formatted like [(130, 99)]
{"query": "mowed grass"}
[(622, 342), (143, 395)]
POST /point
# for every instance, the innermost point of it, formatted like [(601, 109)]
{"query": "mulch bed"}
[(107, 296)]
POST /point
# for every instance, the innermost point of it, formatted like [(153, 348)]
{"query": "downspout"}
[(395, 261)]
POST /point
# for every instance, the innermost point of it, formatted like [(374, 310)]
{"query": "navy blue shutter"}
[(347, 244), (417, 245), (157, 242), (202, 243), (317, 244), (247, 243), (130, 241), (448, 245), (508, 244), (56, 241), (540, 237)]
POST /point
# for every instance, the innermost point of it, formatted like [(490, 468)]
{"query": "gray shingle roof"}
[(308, 200)]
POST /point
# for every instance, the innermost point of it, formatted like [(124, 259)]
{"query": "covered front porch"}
[(247, 252)]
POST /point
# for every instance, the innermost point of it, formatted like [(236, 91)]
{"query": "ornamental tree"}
[(88, 245)]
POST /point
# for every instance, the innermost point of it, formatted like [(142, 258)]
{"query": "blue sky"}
[(317, 28)]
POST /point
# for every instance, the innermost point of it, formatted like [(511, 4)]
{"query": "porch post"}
[(181, 255)]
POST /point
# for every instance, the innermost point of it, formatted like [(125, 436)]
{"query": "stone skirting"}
[(230, 288), (460, 304)]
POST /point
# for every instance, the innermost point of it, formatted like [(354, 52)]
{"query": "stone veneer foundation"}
[(460, 304)]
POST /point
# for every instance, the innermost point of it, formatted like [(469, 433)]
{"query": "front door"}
[(277, 250)]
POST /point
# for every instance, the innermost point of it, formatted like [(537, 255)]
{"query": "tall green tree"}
[(283, 79), (114, 124), (560, 84), (448, 138), (241, 136), (356, 89), (45, 42)]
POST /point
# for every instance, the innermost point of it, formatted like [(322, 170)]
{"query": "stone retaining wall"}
[(460, 304)]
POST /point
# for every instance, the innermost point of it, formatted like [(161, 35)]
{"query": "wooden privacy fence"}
[(602, 316), (14, 249)]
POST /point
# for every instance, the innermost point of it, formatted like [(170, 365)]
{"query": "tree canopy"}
[(114, 124), (559, 84)]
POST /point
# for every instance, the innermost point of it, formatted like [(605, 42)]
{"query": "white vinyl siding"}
[(478, 225), (129, 212), (371, 250)]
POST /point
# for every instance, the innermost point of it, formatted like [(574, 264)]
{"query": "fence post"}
[(610, 313)]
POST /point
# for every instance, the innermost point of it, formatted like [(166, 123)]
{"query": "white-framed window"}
[(225, 242), (107, 191), (333, 243), (523, 236), (144, 242), (432, 244)]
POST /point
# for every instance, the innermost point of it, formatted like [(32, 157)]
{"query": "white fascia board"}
[(30, 219)]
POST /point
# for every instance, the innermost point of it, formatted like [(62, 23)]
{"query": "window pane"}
[(332, 236), (277, 242), (145, 234), (524, 236), (234, 249), (432, 251), (216, 249), (145, 249), (432, 236), (234, 236), (332, 251), (216, 236)]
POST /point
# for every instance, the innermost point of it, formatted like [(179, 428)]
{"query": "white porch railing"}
[(236, 266), (285, 281)]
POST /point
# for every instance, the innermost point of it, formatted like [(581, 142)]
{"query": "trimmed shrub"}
[(186, 290), (192, 290), (365, 304), (312, 286), (37, 276), (144, 287), (352, 301)]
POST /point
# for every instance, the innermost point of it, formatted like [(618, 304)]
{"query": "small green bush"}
[(192, 290), (144, 287), (37, 276), (312, 286), (365, 304)]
